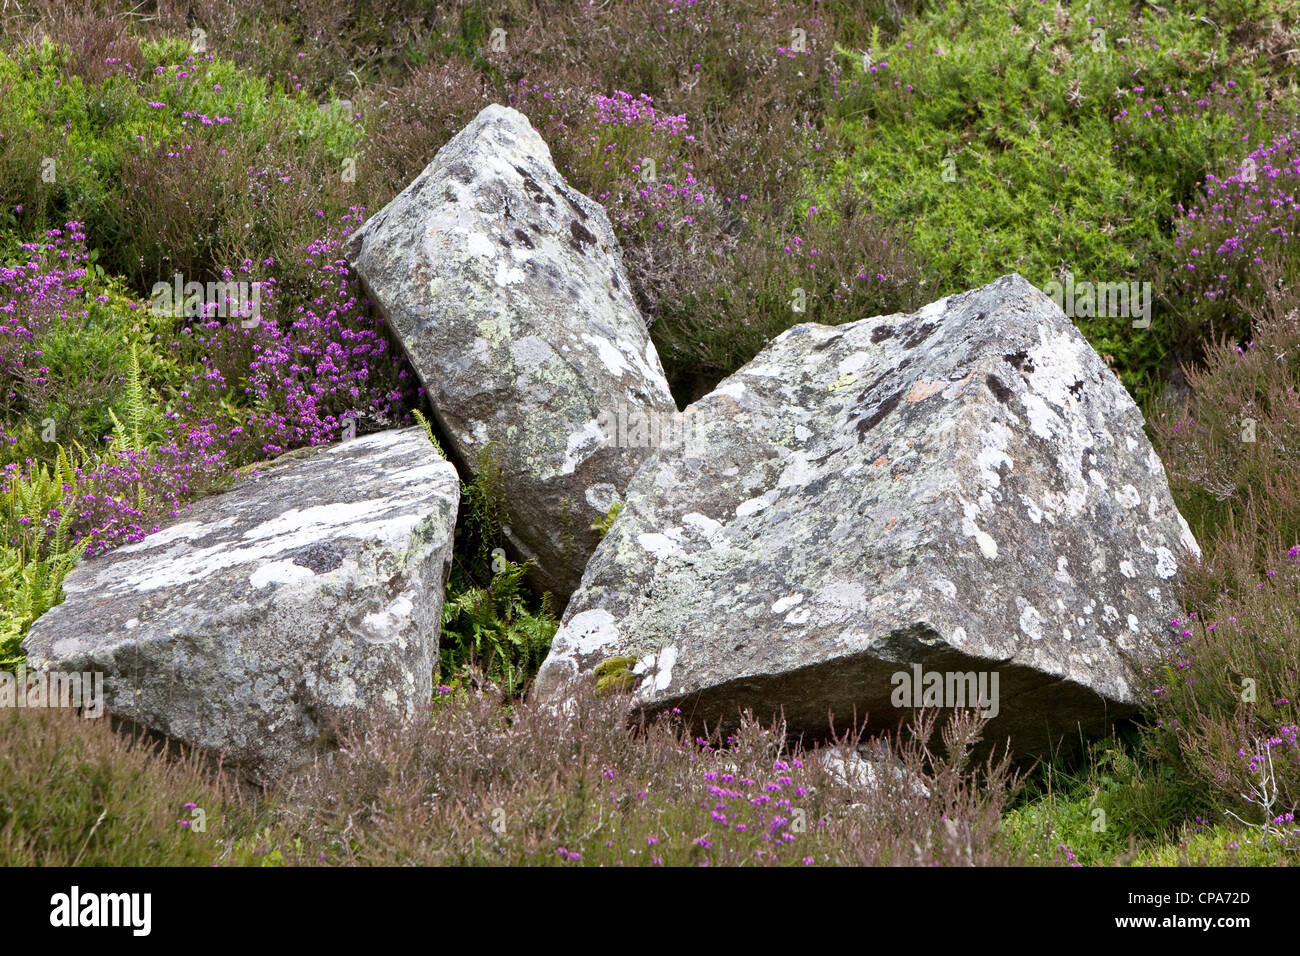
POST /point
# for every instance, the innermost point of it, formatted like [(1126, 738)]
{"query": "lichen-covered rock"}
[(963, 492), (508, 291), (308, 595)]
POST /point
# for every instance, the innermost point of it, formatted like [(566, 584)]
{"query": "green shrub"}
[(1108, 808), (1002, 133)]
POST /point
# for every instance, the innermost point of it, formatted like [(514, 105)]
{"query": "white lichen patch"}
[(178, 532), (659, 545), (704, 526), (588, 632), (477, 244), (532, 352), (733, 388), (1062, 574), (933, 310), (754, 505), (1129, 497), (1041, 417), (839, 601), (610, 355), (1166, 563), (390, 623), (1031, 622), (179, 564), (992, 457), (601, 497), (581, 445), (658, 669), (784, 604), (798, 616), (279, 572), (797, 472), (944, 587), (854, 363), (988, 547)]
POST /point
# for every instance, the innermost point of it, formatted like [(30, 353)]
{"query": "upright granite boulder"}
[(306, 596), (960, 498), (508, 291)]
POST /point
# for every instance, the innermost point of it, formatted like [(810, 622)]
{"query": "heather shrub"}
[(176, 163), (78, 793), (1237, 242), (405, 125), (1227, 704), (63, 328), (306, 373), (1231, 449), (475, 784)]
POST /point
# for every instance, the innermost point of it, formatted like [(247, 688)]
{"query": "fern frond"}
[(428, 430)]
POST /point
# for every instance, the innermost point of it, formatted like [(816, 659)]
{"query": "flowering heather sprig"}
[(190, 461), (627, 132), (36, 296), (623, 108), (1243, 218), (309, 373), (306, 376)]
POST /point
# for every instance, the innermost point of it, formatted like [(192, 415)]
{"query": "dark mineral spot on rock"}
[(537, 193), (462, 173), (319, 558), (582, 213), (523, 237), (1020, 360), (582, 236), (880, 333), (999, 390), (920, 335), (1077, 388), (822, 346), (613, 277), (887, 406), (817, 487)]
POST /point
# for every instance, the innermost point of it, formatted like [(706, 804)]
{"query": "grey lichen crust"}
[(967, 487), (306, 596), (508, 291)]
